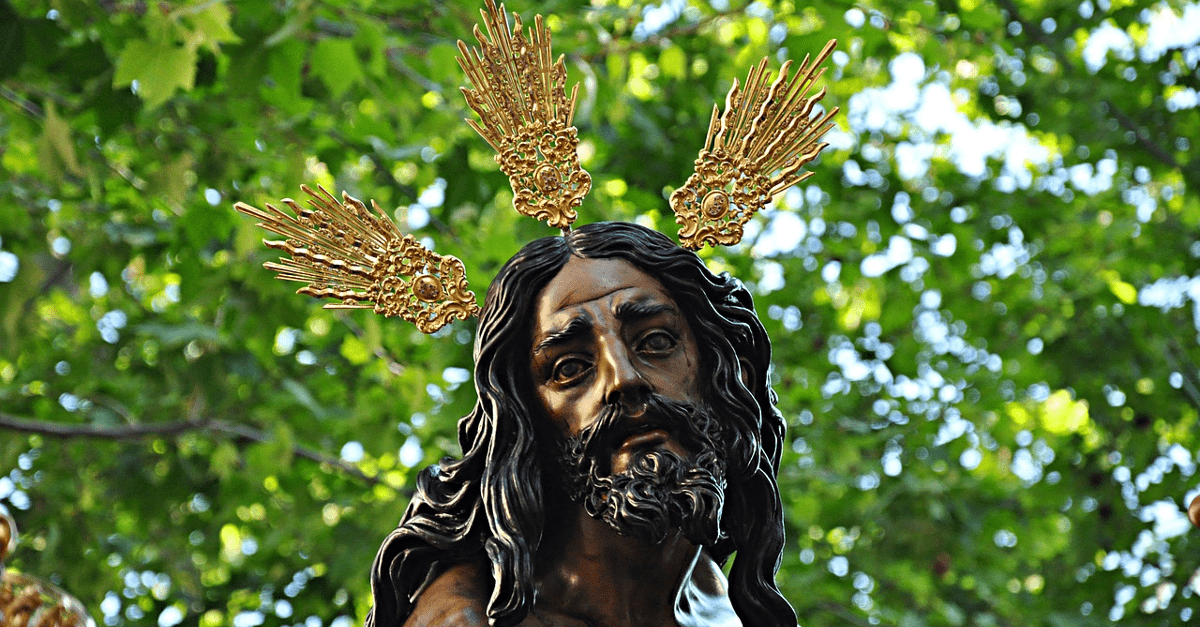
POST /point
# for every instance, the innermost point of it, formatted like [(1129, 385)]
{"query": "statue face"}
[(608, 334)]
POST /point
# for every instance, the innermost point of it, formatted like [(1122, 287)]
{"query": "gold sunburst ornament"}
[(753, 152), (526, 116), (343, 250)]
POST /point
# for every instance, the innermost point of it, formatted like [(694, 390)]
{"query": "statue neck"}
[(587, 571)]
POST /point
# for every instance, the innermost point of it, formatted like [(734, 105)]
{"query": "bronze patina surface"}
[(624, 446)]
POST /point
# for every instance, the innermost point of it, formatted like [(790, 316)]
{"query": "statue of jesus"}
[(623, 447)]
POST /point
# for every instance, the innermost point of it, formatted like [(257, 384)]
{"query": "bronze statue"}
[(625, 440), (624, 445)]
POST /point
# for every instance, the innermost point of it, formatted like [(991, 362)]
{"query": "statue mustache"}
[(695, 430)]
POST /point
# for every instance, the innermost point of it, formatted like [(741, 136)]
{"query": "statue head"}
[(616, 368), (520, 446)]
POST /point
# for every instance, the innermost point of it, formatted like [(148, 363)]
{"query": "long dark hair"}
[(488, 505)]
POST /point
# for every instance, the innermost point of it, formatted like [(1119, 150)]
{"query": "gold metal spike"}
[(753, 152), (525, 114), (343, 250)]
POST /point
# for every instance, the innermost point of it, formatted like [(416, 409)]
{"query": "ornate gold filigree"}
[(765, 136), (28, 601), (342, 250), (753, 151), (526, 116)]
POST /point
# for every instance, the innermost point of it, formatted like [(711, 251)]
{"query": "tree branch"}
[(169, 429), (23, 104), (1141, 135), (119, 432), (1035, 33)]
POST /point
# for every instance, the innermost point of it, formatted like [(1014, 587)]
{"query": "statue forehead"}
[(585, 280)]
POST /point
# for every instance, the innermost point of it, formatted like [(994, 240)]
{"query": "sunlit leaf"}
[(159, 70)]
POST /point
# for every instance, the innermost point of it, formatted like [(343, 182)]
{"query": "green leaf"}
[(355, 350), (336, 63), (281, 446), (15, 298), (12, 41), (225, 460), (1124, 292), (673, 63), (371, 35), (443, 61), (159, 69), (211, 26), (173, 179), (305, 397), (281, 85), (57, 153)]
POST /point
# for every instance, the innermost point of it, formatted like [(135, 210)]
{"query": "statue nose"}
[(626, 385)]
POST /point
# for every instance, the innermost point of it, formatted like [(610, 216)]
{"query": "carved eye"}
[(657, 342), (568, 370)]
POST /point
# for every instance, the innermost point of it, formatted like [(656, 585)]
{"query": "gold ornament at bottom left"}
[(27, 601)]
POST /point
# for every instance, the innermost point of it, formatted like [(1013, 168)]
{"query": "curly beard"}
[(659, 490)]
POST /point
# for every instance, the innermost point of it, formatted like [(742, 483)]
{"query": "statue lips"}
[(643, 439), (643, 436), (634, 432)]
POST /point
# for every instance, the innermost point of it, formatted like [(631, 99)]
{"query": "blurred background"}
[(985, 304)]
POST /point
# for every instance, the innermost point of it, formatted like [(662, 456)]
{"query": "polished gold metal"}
[(526, 116), (343, 250), (753, 152), (27, 601)]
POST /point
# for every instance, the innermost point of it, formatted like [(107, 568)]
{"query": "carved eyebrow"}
[(576, 328), (639, 309)]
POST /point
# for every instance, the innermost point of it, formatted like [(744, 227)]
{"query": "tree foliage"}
[(984, 304)]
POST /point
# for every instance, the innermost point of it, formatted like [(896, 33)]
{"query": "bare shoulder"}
[(456, 598)]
